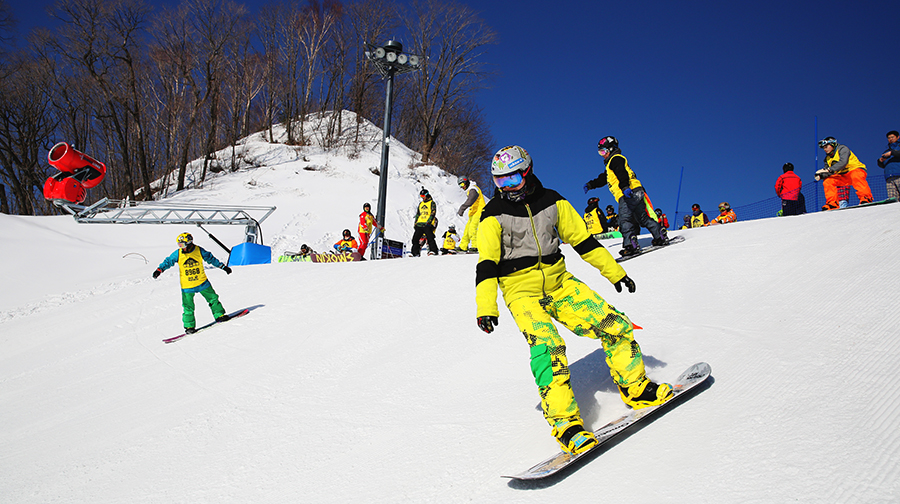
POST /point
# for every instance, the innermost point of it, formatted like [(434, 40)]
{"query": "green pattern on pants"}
[(585, 313), (187, 302)]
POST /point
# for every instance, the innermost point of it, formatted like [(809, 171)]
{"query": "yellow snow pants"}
[(470, 233), (585, 313)]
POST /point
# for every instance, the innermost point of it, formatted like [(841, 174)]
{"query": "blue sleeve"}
[(211, 259), (170, 261)]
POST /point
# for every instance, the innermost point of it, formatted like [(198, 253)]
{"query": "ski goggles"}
[(823, 143), (603, 150), (509, 181)]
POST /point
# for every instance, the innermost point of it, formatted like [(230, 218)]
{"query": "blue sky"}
[(729, 91)]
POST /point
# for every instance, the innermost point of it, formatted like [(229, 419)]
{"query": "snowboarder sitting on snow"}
[(449, 241), (189, 258), (347, 243), (612, 219), (726, 215), (519, 252), (698, 217)]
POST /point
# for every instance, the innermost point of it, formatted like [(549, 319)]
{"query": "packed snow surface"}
[(370, 382)]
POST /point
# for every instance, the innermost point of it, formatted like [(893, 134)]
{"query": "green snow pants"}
[(187, 302)]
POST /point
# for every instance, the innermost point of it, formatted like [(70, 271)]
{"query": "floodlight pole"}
[(389, 59), (385, 150)]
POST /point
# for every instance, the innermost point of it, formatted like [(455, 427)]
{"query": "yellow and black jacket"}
[(519, 247)]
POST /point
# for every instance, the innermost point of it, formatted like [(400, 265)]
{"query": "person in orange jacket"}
[(726, 215), (347, 243)]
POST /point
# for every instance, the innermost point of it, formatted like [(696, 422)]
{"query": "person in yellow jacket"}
[(635, 209), (474, 203), (596, 223), (189, 258), (450, 238), (842, 168), (367, 224), (519, 252), (426, 223)]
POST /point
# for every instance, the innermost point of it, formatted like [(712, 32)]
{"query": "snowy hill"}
[(369, 382)]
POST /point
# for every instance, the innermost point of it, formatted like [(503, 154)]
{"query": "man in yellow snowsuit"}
[(842, 168), (519, 252), (475, 203)]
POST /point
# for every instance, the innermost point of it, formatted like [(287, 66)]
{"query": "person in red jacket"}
[(367, 224), (787, 187)]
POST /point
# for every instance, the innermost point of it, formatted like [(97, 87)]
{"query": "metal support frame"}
[(108, 211)]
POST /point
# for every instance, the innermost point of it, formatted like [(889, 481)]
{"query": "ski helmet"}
[(367, 206), (509, 168), (610, 209), (452, 228), (827, 141), (724, 206), (658, 212), (304, 249), (463, 181), (346, 233), (788, 167), (592, 202), (424, 194), (608, 142), (184, 239)]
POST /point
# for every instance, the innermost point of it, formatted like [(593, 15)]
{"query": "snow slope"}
[(369, 382)]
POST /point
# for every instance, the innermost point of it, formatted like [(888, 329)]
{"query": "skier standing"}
[(634, 207), (519, 252), (367, 224), (788, 187), (426, 223), (596, 223), (189, 258), (475, 203)]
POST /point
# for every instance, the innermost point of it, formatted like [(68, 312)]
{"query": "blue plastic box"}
[(250, 253)]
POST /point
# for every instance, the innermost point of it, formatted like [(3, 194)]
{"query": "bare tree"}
[(450, 37)]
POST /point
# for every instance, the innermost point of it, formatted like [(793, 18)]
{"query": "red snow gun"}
[(77, 172)]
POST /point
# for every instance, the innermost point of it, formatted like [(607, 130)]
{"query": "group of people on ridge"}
[(426, 222)]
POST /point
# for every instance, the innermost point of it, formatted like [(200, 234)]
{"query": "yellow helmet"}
[(185, 239)]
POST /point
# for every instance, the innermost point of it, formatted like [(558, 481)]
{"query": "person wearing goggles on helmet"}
[(842, 168), (635, 209), (425, 224), (190, 258), (474, 203), (726, 215), (519, 252), (347, 243)]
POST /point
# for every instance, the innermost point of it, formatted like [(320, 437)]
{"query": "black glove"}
[(157, 273), (487, 323), (629, 283), (227, 270)]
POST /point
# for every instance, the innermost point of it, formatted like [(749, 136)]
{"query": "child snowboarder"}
[(189, 258), (519, 252), (449, 241)]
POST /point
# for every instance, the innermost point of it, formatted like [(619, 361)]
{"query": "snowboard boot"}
[(646, 393), (633, 248), (223, 318), (572, 437), (830, 206), (663, 237), (189, 330)]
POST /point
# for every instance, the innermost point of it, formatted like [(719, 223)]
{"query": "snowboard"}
[(336, 257), (294, 257), (608, 235), (693, 376), (673, 240), (871, 203), (239, 313)]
